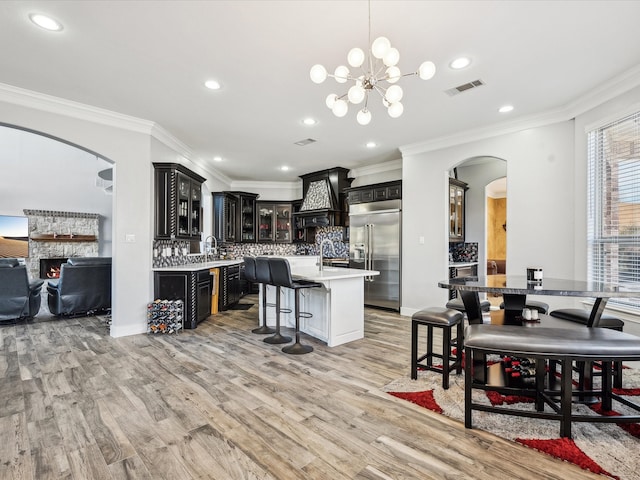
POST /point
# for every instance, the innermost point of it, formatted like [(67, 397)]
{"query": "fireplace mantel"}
[(53, 237)]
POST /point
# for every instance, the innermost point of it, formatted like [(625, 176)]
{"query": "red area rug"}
[(611, 450)]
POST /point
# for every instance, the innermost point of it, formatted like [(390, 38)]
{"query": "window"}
[(614, 205)]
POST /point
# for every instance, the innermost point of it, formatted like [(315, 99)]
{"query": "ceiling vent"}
[(464, 87), (304, 142)]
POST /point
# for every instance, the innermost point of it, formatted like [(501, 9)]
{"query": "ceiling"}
[(149, 59)]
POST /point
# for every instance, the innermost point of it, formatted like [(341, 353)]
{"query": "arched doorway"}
[(59, 184)]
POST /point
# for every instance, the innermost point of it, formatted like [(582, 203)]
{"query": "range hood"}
[(324, 197)]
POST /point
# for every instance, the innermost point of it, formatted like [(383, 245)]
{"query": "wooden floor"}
[(217, 402)]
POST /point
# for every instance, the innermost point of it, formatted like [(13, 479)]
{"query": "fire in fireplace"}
[(50, 267)]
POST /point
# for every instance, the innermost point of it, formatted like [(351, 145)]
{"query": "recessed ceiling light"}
[(459, 63), (45, 22), (309, 121), (505, 109), (212, 84), (217, 159), (371, 144), (284, 168)]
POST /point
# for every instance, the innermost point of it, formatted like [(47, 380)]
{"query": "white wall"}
[(540, 166), (40, 173)]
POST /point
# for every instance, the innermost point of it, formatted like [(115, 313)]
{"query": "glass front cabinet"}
[(457, 189), (274, 222), (178, 205)]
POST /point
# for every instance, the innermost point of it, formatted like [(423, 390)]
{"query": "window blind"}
[(614, 205)]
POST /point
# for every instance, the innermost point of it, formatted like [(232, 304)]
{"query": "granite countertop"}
[(329, 273), (194, 267)]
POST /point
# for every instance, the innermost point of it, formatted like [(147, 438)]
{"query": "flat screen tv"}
[(14, 237)]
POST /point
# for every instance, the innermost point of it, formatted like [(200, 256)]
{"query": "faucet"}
[(207, 243), (330, 243)]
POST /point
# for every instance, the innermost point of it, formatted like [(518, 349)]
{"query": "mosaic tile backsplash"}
[(463, 252), (170, 253)]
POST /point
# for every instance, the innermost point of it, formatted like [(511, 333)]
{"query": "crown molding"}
[(601, 94), (69, 108), (377, 168), (60, 106), (248, 184)]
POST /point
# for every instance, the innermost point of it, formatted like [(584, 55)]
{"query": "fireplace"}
[(50, 267)]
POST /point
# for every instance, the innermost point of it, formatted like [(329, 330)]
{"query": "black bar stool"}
[(437, 317), (250, 273), (281, 277), (263, 275)]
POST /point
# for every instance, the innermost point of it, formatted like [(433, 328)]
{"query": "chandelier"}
[(377, 72)]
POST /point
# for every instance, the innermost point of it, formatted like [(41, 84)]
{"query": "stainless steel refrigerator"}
[(374, 244)]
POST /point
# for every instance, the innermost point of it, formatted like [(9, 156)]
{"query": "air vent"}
[(304, 142), (464, 87)]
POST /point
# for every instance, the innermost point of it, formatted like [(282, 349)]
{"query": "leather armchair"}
[(84, 287), (19, 298)]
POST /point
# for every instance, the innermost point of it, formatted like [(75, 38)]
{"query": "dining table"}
[(515, 289)]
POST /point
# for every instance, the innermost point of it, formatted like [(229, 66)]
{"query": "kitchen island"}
[(337, 307)]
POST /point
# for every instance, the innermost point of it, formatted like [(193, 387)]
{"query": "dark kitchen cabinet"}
[(230, 289), (193, 288), (178, 202), (225, 208), (375, 193), (457, 189), (274, 222), (234, 217)]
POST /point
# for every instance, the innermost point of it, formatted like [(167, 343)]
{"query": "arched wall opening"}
[(127, 143)]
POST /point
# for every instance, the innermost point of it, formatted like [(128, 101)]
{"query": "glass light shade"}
[(331, 100), (340, 108), (393, 74), (341, 74), (395, 110), (364, 117), (427, 70), (355, 57), (391, 58), (356, 94), (318, 74), (380, 47), (394, 94)]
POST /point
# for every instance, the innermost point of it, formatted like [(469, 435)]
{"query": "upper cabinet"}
[(234, 217), (457, 189), (375, 193), (225, 208), (274, 222), (178, 202)]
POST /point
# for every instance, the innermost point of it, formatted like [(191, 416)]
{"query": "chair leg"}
[(277, 337), (414, 350), (297, 348), (459, 347), (264, 329), (446, 354)]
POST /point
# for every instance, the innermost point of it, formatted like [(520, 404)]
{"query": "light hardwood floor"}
[(217, 402)]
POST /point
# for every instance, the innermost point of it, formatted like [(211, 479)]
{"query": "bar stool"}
[(263, 274), (250, 273), (446, 319), (456, 304), (281, 277), (541, 307)]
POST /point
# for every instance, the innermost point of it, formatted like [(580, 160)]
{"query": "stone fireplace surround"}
[(43, 222)]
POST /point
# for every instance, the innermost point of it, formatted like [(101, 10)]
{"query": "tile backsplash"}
[(463, 252)]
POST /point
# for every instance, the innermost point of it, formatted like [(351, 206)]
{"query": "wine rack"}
[(165, 316)]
